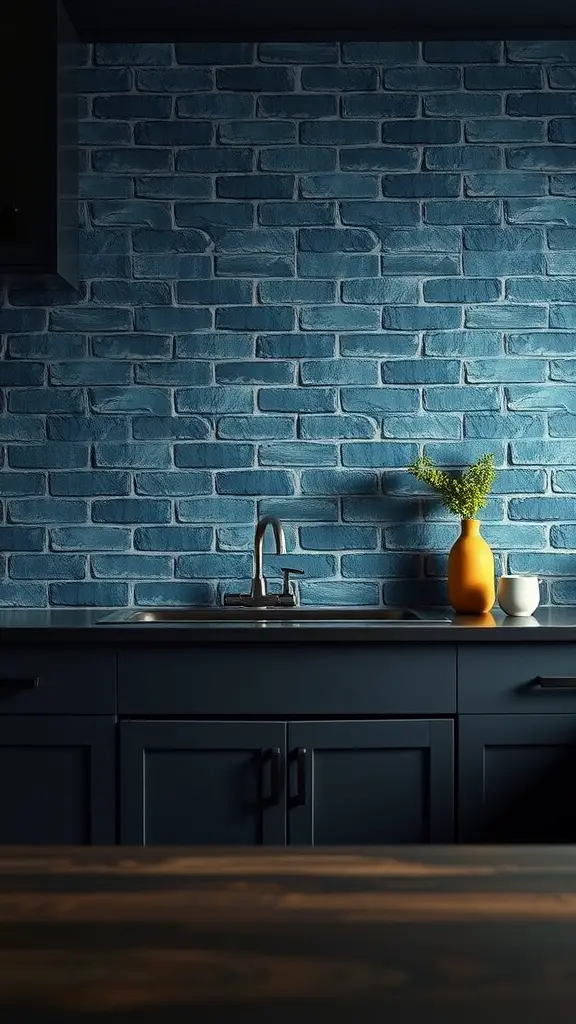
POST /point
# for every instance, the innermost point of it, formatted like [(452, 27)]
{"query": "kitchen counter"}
[(78, 625), (398, 934)]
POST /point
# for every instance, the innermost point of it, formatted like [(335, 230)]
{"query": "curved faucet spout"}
[(258, 582)]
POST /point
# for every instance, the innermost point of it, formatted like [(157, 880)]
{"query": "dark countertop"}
[(81, 625), (395, 934)]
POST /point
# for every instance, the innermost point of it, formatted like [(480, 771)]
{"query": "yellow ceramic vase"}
[(471, 572)]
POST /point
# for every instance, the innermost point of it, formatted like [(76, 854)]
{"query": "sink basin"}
[(228, 614)]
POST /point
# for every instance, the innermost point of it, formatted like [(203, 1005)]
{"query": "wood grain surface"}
[(423, 934)]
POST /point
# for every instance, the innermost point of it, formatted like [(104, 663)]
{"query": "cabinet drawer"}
[(74, 681), (517, 678), (285, 680)]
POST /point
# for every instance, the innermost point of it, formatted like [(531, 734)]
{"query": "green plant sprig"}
[(463, 495)]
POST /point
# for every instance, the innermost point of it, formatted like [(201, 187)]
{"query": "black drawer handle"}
[(18, 684), (299, 798), (274, 757), (555, 682)]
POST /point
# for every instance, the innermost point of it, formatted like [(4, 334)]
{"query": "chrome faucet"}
[(258, 596)]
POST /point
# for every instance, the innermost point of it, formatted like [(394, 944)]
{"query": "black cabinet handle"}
[(300, 797), (18, 684), (555, 683), (274, 757)]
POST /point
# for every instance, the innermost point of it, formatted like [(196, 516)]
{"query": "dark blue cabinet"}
[(517, 778), (203, 783), (370, 782), (58, 780)]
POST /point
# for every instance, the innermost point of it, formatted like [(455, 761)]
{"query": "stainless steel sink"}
[(230, 614)]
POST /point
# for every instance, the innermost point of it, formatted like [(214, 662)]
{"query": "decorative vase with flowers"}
[(471, 588)]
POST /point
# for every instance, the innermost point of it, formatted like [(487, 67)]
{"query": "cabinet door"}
[(370, 782), (517, 778), (203, 783), (58, 780)]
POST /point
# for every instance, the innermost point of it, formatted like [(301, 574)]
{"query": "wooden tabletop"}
[(427, 934)]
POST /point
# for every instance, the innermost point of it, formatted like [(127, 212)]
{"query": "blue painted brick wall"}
[(302, 264)]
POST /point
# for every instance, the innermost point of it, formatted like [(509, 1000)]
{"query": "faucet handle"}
[(287, 585)]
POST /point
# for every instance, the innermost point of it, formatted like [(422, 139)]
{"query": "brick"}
[(132, 455), (337, 265), (427, 425), (19, 484), (562, 424), (20, 321), (522, 397), (422, 79), (46, 400), (339, 186), (505, 317), (172, 133), (133, 53), (295, 400), (541, 509), (214, 53), (338, 481), (318, 428), (104, 266), (421, 185), (130, 212), (423, 239), (255, 318), (541, 343), (131, 159), (90, 318), (255, 133), (22, 595), (45, 346), (339, 133), (171, 187), (89, 538), (255, 428), (104, 133), (107, 80), (563, 536), (516, 481), (379, 290), (155, 401), (216, 510), (256, 186), (89, 595), (269, 240), (530, 289), (104, 240), (331, 79), (379, 158), (505, 184), (375, 401), (462, 158), (21, 374), (131, 510), (51, 455), (336, 240), (462, 52), (297, 214), (171, 266), (564, 369), (130, 292), (313, 566), (502, 129), (214, 400), (132, 346), (378, 454), (255, 265), (459, 344), (214, 160), (541, 564), (172, 538), (421, 371), (294, 453), (508, 239), (563, 185), (339, 318), (564, 480), (21, 428), (89, 372), (177, 428), (209, 215), (47, 567), (449, 454), (298, 53), (380, 566), (214, 106), (562, 238), (421, 536), (295, 346), (562, 77), (338, 593), (95, 186), (255, 79), (502, 264), (486, 424), (214, 346), (297, 158), (379, 345), (46, 510), (379, 105), (548, 210), (338, 538), (319, 510), (212, 293), (255, 482), (559, 51), (387, 53), (132, 107), (177, 80), (503, 78), (296, 106), (297, 291), (21, 538), (419, 265), (462, 105), (421, 131), (338, 371), (467, 211), (461, 399), (450, 289), (172, 319), (213, 455), (540, 452), (173, 484), (85, 485), (541, 104), (421, 318), (130, 567), (173, 595)]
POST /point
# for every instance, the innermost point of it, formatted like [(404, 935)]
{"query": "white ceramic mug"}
[(518, 595)]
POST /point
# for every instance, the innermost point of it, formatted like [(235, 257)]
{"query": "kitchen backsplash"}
[(302, 264)]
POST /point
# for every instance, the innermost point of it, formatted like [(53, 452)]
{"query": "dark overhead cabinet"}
[(38, 142)]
